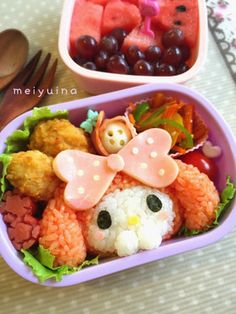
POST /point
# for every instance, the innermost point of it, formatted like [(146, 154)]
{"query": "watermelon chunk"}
[(86, 20), (121, 14), (136, 2), (181, 14), (138, 38), (101, 2)]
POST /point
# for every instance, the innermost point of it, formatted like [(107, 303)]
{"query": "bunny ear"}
[(147, 161)]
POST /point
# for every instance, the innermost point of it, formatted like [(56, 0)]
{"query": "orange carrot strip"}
[(145, 116), (179, 149), (170, 111), (181, 137), (188, 117), (131, 107), (158, 100), (131, 118)]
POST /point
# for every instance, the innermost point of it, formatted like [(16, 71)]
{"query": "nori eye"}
[(153, 203), (181, 8), (104, 219)]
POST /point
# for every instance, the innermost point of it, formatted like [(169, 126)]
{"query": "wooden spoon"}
[(14, 48)]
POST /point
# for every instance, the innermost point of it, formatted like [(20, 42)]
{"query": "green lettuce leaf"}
[(184, 231), (19, 139), (42, 265), (5, 159), (226, 197)]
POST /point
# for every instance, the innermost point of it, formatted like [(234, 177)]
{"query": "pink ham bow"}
[(145, 158)]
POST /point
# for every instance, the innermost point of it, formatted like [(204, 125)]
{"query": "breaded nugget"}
[(53, 136), (32, 174)]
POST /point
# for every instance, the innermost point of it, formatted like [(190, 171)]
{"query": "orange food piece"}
[(171, 110), (158, 100), (179, 149), (131, 118), (188, 117), (197, 195), (60, 232)]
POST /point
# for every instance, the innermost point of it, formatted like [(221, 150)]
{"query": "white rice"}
[(122, 237)]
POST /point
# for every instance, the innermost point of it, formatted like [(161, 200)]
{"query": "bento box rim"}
[(111, 266), (64, 32)]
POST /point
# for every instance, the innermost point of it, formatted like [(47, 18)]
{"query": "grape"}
[(185, 53), (121, 54), (117, 64), (153, 53), (156, 67), (86, 46), (164, 69), (79, 60), (119, 34), (172, 56), (182, 68), (173, 37), (101, 60), (109, 44), (143, 67), (134, 54), (131, 70), (90, 66)]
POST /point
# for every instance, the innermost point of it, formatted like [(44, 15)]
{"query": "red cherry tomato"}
[(203, 163)]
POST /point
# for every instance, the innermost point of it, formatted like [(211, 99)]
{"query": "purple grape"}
[(143, 67), (116, 64), (101, 60), (134, 54), (156, 67), (172, 56), (86, 47), (165, 70), (109, 44), (90, 66), (153, 53), (79, 60), (182, 68), (119, 34), (173, 37), (185, 50), (121, 54)]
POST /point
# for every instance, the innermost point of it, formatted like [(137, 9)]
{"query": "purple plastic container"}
[(115, 103)]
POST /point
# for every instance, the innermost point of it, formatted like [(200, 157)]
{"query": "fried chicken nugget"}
[(53, 136), (32, 174)]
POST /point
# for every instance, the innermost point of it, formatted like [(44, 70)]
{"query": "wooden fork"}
[(27, 90)]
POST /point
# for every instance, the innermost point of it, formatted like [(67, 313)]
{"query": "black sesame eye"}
[(104, 219), (181, 8), (153, 203)]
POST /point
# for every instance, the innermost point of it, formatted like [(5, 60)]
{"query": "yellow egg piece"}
[(174, 132)]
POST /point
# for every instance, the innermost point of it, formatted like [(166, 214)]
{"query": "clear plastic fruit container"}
[(96, 82), (114, 104)]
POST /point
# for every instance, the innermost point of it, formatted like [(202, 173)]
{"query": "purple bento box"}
[(113, 104)]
